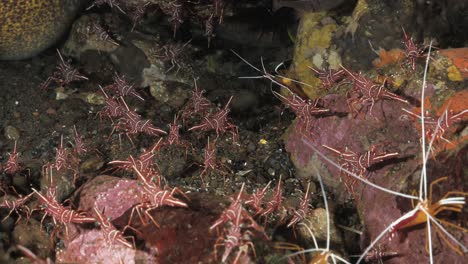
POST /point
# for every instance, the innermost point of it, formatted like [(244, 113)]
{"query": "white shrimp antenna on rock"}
[(424, 206), (323, 253)]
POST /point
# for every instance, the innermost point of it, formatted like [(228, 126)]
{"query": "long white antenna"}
[(383, 233), (443, 230), (423, 180), (317, 249), (326, 208), (429, 237), (311, 234)]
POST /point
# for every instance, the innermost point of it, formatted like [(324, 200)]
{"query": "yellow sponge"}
[(28, 27)]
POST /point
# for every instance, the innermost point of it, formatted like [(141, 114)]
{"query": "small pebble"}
[(271, 172), (251, 147), (60, 94), (51, 111), (93, 98), (12, 133)]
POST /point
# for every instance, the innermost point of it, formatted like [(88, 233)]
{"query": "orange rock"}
[(459, 58), (457, 103), (388, 57)]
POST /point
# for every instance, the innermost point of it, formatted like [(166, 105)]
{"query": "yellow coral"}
[(27, 27), (459, 59), (454, 74), (312, 39), (398, 80), (360, 9)]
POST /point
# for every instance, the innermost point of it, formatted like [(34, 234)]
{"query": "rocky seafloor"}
[(188, 158)]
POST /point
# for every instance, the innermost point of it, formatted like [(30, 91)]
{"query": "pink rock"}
[(112, 195), (91, 247), (379, 209), (387, 126), (184, 235)]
